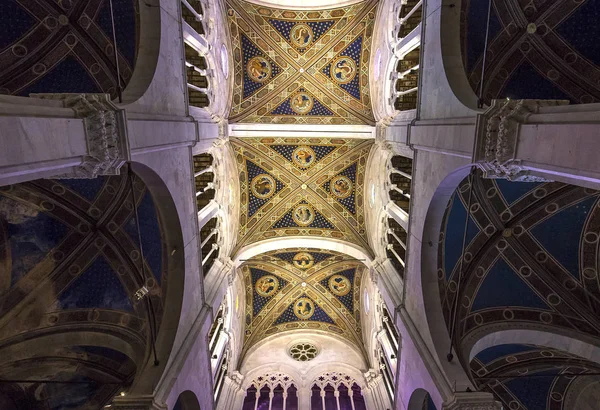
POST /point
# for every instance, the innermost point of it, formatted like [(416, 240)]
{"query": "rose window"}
[(304, 352)]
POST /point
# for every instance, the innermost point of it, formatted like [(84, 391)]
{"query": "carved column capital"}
[(498, 137), (472, 401), (236, 378), (136, 403), (105, 133), (373, 378)]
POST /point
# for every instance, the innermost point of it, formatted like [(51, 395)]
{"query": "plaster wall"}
[(334, 355)]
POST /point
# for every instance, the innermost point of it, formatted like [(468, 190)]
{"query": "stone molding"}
[(472, 401), (105, 133), (497, 138), (136, 403)]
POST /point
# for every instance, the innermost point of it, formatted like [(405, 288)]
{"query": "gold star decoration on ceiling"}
[(302, 288), (301, 67), (302, 187)]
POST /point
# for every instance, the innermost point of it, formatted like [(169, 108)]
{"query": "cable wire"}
[(487, 33), (450, 356), (148, 302), (114, 35)]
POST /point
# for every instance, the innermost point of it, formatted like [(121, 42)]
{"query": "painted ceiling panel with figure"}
[(301, 67), (301, 187), (302, 288)]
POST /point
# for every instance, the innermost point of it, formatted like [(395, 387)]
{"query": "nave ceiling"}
[(302, 289), (302, 187), (301, 67)]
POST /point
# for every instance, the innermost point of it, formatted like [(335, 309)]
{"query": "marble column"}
[(304, 394), (472, 401)]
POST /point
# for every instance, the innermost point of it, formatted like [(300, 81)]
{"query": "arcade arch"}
[(115, 277)]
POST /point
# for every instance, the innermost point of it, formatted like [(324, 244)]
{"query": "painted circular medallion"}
[(301, 35), (340, 186), (301, 103), (263, 186), (303, 260), (303, 157), (303, 214), (258, 69), (343, 70), (339, 285), (304, 308), (267, 285)]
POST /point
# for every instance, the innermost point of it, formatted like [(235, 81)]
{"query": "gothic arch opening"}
[(421, 400), (187, 401)]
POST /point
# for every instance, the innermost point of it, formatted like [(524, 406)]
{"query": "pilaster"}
[(375, 395), (388, 282), (232, 395)]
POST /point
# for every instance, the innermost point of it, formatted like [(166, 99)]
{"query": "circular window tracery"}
[(303, 352)]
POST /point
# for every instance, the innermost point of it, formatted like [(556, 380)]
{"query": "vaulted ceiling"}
[(70, 265), (301, 67), (531, 258), (66, 46), (551, 44), (526, 377), (310, 187), (302, 289)]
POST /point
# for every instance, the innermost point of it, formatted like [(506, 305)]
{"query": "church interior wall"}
[(163, 131), (334, 354)]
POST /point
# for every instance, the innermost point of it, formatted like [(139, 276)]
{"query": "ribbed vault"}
[(302, 289)]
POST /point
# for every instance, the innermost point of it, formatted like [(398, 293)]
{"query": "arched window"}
[(400, 180), (406, 49), (204, 177), (209, 235), (196, 47), (389, 344), (336, 391), (274, 391)]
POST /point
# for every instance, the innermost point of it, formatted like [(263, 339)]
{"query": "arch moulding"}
[(268, 245)]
